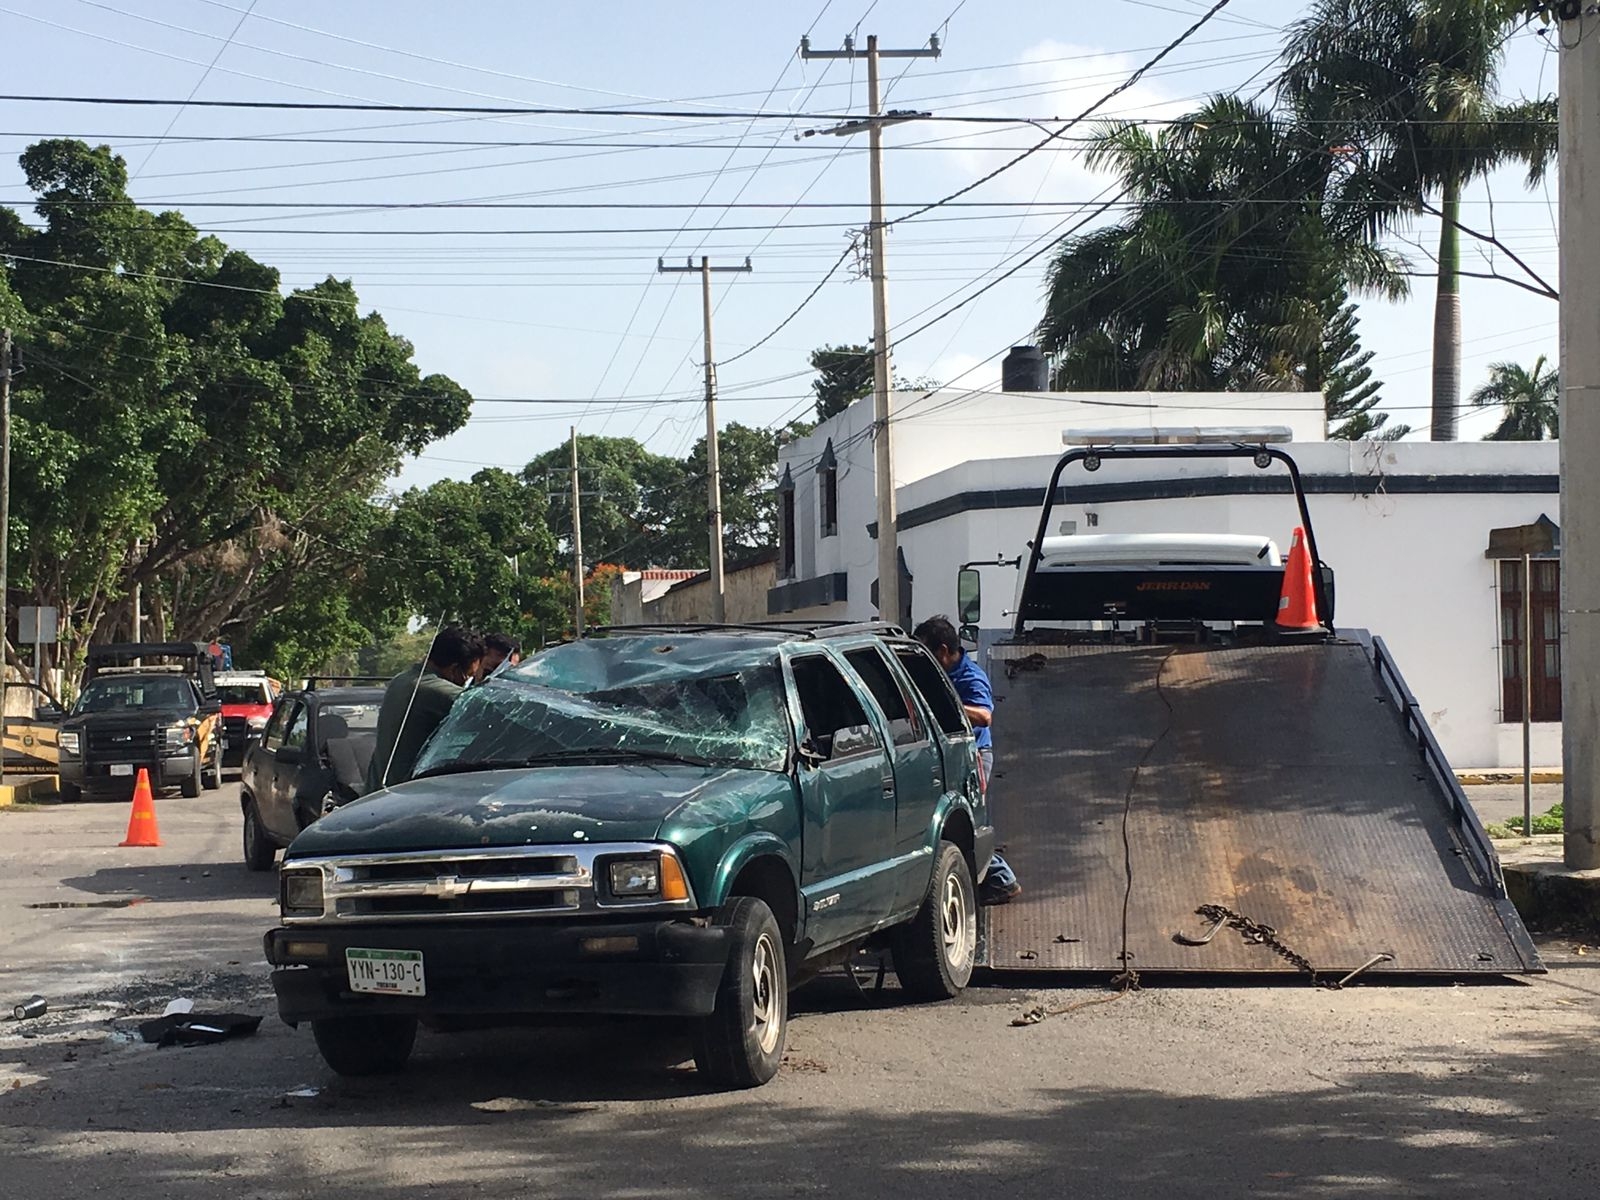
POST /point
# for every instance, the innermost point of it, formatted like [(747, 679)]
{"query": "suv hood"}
[(556, 805)]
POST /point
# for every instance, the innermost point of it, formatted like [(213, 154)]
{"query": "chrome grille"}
[(446, 885)]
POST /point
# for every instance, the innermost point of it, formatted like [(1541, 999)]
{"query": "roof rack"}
[(807, 629), (152, 669), (313, 682)]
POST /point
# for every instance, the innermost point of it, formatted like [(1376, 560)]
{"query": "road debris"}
[(198, 1029), (33, 1006)]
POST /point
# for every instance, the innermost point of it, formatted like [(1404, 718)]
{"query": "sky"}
[(554, 314)]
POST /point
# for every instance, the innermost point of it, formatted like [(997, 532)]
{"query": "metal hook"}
[(1183, 939)]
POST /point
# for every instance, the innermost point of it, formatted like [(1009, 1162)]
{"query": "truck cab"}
[(152, 705), (247, 699)]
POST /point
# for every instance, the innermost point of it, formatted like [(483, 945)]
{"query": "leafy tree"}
[(1340, 369), (749, 460), (469, 552), (1408, 90), (1228, 272), (1531, 399), (184, 426), (630, 495), (844, 375)]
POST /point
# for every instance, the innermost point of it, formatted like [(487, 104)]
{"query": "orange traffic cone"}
[(1297, 605), (142, 829)]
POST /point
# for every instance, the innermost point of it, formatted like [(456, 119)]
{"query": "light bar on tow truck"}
[(1180, 435)]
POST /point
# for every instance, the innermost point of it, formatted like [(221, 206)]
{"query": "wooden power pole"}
[(882, 373), (719, 610)]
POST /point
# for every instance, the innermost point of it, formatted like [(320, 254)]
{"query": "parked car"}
[(656, 821), (247, 699), (312, 757), (143, 704)]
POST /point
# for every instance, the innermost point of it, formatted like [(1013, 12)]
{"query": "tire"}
[(259, 852), (190, 787), (934, 951), (71, 793), (211, 779), (372, 1045), (740, 1045)]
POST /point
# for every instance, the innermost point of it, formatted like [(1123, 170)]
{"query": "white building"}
[(1404, 525)]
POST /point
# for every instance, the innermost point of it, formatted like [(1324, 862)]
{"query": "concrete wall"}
[(744, 598)]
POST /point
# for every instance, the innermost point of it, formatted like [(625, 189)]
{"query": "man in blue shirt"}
[(1000, 886)]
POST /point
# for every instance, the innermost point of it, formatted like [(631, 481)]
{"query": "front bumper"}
[(96, 777), (510, 968)]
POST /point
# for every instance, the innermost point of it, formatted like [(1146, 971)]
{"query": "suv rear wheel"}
[(934, 951), (259, 852), (372, 1045), (740, 1044)]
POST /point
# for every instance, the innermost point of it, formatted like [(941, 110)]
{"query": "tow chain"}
[(1257, 934)]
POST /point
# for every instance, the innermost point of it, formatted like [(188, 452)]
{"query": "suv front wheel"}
[(372, 1045), (934, 951), (740, 1045)]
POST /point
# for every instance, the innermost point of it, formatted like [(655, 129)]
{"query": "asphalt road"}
[(1193, 1092)]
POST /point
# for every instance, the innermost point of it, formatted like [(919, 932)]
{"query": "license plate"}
[(385, 972), (122, 768)]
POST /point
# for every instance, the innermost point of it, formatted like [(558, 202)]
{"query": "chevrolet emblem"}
[(447, 887)]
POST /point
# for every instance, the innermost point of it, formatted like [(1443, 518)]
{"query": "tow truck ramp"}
[(1297, 785)]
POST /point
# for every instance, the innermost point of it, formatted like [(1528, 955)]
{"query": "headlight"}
[(658, 877), (636, 877), (179, 736), (68, 743), (300, 893), (256, 723)]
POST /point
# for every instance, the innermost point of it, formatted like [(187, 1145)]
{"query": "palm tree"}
[(1532, 400), (1410, 87), (1227, 274)]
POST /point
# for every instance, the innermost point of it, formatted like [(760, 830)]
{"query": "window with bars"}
[(786, 526), (1546, 623), (828, 493)]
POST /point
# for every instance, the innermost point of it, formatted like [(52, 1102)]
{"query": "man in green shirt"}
[(416, 701)]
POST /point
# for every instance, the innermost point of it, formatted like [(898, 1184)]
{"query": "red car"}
[(247, 699)]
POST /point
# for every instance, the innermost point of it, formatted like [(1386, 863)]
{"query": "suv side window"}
[(875, 672), (272, 735), (836, 722), (294, 731), (936, 689)]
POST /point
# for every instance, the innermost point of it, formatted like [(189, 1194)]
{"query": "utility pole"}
[(7, 365), (882, 376), (577, 544), (719, 611), (1578, 30)]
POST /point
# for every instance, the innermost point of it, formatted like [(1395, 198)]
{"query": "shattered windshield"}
[(697, 700)]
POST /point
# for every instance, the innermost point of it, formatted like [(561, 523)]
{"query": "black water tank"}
[(1025, 370)]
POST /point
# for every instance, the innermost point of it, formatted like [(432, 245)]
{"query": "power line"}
[(480, 110), (1127, 83)]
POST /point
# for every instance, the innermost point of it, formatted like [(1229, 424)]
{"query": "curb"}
[(1548, 895), (26, 789), (1481, 778)]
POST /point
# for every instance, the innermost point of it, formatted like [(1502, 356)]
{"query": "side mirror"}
[(291, 754), (969, 596), (968, 634), (809, 755)]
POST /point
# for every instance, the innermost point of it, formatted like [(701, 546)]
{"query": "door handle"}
[(888, 787)]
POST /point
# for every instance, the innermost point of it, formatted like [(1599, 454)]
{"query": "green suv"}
[(679, 821)]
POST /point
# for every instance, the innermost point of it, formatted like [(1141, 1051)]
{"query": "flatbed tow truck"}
[(1185, 788)]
